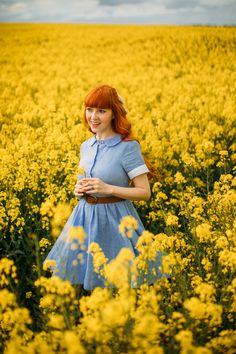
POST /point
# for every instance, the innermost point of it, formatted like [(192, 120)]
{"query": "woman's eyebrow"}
[(97, 108)]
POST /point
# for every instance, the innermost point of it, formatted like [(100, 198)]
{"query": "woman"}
[(115, 174)]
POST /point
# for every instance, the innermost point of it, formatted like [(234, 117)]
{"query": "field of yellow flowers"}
[(179, 84)]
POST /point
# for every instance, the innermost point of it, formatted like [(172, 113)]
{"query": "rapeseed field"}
[(179, 84)]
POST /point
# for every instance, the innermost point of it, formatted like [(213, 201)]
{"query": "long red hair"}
[(105, 96)]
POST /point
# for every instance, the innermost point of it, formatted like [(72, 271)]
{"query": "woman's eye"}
[(89, 109)]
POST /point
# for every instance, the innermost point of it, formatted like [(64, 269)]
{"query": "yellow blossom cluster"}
[(43, 244), (7, 272), (76, 233), (99, 258), (127, 225)]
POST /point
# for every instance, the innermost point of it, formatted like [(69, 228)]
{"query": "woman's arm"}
[(139, 191)]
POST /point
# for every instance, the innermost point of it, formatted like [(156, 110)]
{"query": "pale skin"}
[(99, 121)]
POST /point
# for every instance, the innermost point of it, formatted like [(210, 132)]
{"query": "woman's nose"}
[(93, 114)]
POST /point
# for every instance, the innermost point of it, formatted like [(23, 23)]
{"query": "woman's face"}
[(99, 119)]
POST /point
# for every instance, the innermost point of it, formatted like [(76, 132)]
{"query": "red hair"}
[(105, 96)]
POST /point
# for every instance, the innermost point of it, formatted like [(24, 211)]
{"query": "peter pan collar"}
[(108, 142)]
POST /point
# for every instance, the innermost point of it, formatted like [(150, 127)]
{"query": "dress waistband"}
[(102, 200)]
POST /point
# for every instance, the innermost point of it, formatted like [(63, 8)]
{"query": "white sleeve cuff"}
[(138, 171)]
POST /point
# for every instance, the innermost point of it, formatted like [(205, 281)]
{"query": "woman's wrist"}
[(110, 189)]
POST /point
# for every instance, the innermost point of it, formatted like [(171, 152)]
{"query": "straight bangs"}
[(99, 98)]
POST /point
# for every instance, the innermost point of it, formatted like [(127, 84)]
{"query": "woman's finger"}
[(78, 194), (79, 190), (89, 179)]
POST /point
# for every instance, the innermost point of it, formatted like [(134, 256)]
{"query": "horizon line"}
[(117, 23)]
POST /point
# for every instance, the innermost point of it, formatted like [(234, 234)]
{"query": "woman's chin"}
[(94, 128)]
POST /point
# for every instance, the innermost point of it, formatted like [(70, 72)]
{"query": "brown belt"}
[(101, 200)]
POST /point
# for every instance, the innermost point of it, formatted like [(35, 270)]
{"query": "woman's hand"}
[(94, 185), (79, 189), (140, 189)]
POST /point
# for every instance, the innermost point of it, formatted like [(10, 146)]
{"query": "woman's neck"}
[(105, 135)]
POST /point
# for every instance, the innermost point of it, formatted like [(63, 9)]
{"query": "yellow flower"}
[(61, 213), (80, 257), (203, 232), (223, 154), (7, 271), (76, 233), (127, 225), (169, 261), (117, 271), (72, 343), (206, 292), (208, 312), (48, 264), (206, 264), (179, 178), (28, 295), (227, 259), (224, 342), (185, 337), (7, 299), (56, 321), (74, 246), (172, 220), (99, 258), (161, 196), (44, 243)]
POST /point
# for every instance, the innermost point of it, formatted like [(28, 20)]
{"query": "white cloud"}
[(157, 11), (144, 9), (15, 10), (210, 3), (18, 7)]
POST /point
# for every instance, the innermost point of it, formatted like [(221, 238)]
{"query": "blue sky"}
[(210, 12)]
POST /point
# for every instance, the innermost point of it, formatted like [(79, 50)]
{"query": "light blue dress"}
[(115, 162)]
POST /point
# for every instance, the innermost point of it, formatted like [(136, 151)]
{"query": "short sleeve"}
[(133, 161)]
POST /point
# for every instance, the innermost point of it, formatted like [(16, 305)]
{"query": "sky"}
[(182, 12)]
